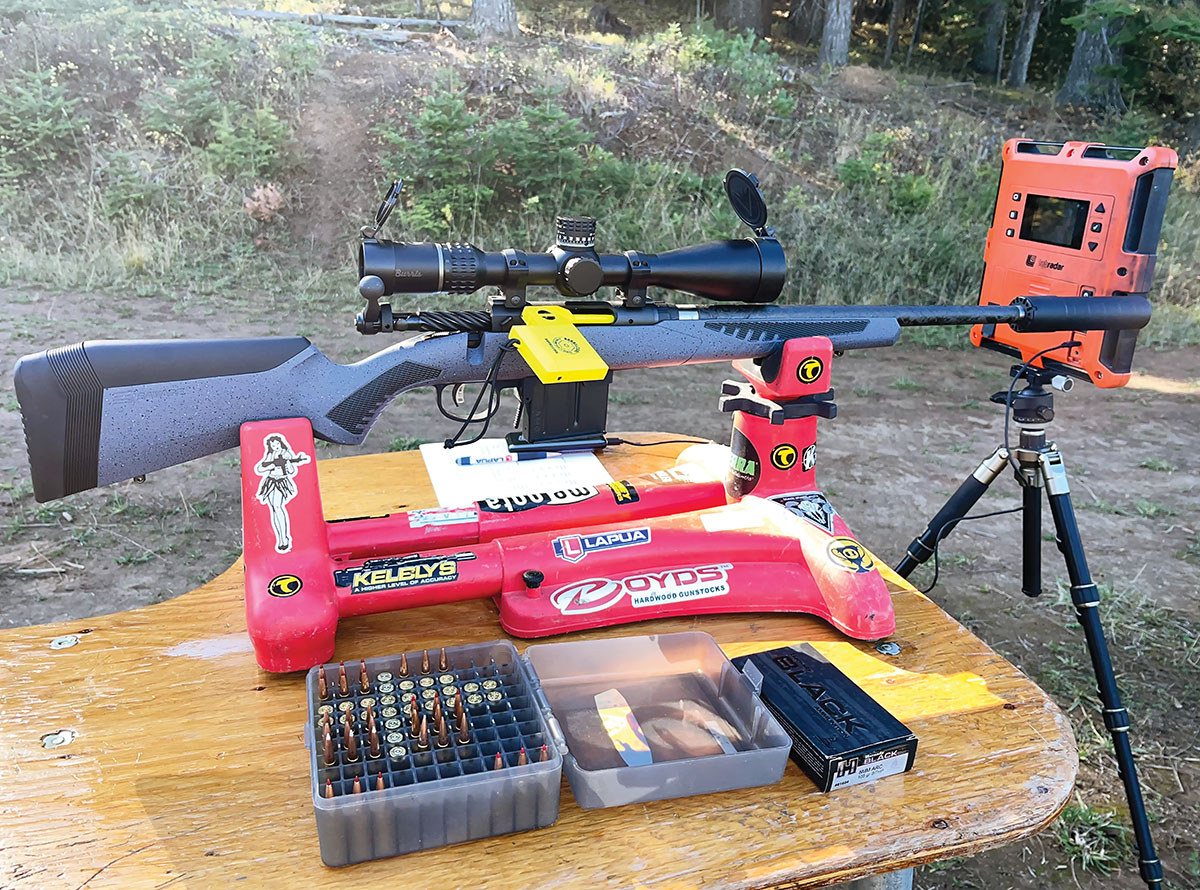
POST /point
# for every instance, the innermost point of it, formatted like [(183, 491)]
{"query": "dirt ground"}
[(912, 423)]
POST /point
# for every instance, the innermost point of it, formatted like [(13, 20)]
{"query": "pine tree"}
[(835, 37), (494, 18)]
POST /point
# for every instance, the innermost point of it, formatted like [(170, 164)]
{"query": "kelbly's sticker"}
[(399, 572), (449, 516), (809, 460), (622, 728)]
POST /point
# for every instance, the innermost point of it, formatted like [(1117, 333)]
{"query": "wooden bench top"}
[(184, 763)]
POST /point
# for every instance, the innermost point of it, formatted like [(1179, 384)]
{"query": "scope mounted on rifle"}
[(745, 270)]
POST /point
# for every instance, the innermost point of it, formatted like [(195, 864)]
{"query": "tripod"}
[(1039, 466)]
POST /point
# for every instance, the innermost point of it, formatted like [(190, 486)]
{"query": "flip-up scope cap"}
[(747, 200)]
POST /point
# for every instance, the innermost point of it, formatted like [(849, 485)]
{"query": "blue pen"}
[(505, 459)]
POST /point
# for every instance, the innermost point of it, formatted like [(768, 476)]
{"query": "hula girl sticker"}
[(277, 468)]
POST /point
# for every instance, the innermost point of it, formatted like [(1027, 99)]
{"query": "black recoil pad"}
[(1046, 314)]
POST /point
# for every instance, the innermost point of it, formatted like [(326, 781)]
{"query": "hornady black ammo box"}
[(840, 735)]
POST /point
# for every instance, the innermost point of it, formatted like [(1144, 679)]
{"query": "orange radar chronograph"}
[(1074, 219)]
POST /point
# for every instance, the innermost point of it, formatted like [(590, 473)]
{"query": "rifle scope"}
[(748, 270)]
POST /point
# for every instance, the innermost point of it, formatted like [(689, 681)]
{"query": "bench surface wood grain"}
[(188, 768)]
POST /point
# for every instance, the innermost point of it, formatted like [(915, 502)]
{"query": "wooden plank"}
[(189, 767)]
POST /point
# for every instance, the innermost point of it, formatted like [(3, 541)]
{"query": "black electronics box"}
[(840, 735)]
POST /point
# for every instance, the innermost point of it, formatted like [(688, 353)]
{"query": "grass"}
[(1151, 509), (1142, 507), (625, 398), (1158, 465), (1095, 838), (405, 443), (907, 384)]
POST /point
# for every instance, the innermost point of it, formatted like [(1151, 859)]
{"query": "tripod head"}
[(1033, 404)]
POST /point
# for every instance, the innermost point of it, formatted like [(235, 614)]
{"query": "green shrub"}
[(185, 109), (443, 163), (128, 185), (736, 63), (515, 172), (911, 193), (248, 143), (39, 127), (872, 175)]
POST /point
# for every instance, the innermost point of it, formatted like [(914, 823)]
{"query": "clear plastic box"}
[(629, 720), (702, 728)]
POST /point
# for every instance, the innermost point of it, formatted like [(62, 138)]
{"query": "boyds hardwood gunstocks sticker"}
[(645, 589)]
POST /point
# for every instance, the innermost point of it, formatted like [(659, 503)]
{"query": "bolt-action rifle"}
[(105, 411)]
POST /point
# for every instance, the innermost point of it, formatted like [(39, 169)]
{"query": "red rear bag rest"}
[(681, 541)]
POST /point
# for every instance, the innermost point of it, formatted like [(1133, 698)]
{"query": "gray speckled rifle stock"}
[(105, 411)]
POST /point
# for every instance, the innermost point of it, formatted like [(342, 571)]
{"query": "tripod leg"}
[(1086, 597), (1031, 539), (959, 504)]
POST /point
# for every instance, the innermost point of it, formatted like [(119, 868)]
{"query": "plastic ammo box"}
[(629, 720), (442, 795)]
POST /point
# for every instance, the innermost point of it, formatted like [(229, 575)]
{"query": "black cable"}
[(945, 530), (458, 418), (1066, 344), (491, 387), (617, 440)]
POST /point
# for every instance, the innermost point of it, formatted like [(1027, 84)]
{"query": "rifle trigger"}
[(458, 394)]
